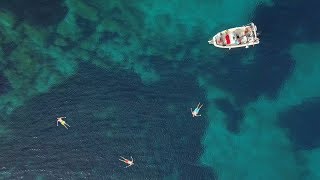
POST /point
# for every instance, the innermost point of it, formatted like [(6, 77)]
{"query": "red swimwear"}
[(228, 39)]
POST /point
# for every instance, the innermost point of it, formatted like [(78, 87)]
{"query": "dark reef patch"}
[(234, 116), (273, 61), (248, 81), (107, 36), (37, 12), (4, 84), (86, 26), (303, 124)]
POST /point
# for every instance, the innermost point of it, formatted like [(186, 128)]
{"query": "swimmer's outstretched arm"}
[(128, 165), (57, 122), (198, 115), (191, 110), (131, 158)]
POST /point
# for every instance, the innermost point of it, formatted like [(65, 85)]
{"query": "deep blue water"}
[(171, 139), (140, 125)]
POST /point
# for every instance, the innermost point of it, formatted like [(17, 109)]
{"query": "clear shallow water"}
[(50, 70)]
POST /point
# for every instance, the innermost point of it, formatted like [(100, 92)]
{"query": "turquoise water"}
[(126, 75)]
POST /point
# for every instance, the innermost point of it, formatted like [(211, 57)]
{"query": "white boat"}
[(244, 36)]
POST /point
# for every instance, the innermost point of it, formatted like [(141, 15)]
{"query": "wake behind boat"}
[(236, 37)]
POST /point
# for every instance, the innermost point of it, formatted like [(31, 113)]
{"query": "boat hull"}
[(232, 41)]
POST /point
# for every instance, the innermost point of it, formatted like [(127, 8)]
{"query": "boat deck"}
[(236, 37)]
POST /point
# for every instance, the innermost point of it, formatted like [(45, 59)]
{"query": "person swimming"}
[(62, 122), (127, 161), (196, 111)]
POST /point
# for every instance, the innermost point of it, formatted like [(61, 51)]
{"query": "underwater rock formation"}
[(38, 13), (81, 34), (4, 85), (302, 124), (233, 115)]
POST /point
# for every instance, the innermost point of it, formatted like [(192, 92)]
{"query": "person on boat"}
[(248, 31), (62, 122), (127, 161), (221, 40), (238, 40), (244, 40), (196, 111)]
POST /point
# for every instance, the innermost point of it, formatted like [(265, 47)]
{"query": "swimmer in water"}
[(127, 161), (62, 122), (196, 111)]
